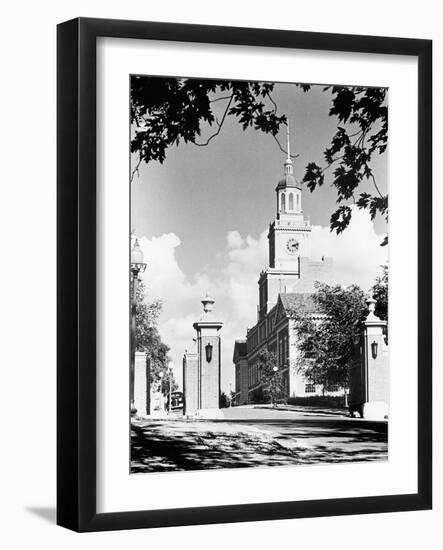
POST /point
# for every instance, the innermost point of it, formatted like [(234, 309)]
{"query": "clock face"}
[(292, 246)]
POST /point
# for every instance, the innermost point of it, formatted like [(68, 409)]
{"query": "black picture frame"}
[(76, 280)]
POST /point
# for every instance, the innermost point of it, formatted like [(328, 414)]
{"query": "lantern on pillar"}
[(208, 349), (374, 349)]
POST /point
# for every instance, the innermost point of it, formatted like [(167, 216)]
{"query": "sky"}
[(202, 219)]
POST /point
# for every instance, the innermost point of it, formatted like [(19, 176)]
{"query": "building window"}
[(262, 332), (283, 349), (298, 202), (332, 388), (309, 388), (283, 202), (271, 324), (291, 201)]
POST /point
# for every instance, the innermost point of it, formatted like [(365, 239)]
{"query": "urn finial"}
[(208, 303)]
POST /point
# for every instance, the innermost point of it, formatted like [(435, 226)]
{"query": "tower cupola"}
[(288, 189)]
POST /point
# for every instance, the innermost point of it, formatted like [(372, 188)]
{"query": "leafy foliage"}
[(362, 132), (328, 346), (323, 401), (166, 111), (271, 377), (258, 396), (167, 382), (224, 400), (148, 339), (380, 294)]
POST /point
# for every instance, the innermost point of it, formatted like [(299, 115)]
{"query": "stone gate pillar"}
[(141, 384), (375, 371), (208, 357), (190, 383)]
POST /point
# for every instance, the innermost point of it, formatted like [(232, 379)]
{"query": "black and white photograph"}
[(224, 327), (259, 268)]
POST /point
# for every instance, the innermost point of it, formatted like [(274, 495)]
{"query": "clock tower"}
[(290, 232), (290, 268)]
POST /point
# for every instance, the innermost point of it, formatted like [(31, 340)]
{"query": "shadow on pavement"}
[(167, 447)]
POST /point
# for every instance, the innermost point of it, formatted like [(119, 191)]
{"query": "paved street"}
[(249, 436)]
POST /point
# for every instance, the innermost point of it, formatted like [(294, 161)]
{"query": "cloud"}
[(356, 254), (164, 278)]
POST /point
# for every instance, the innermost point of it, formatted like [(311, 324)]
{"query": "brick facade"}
[(275, 332), (240, 360)]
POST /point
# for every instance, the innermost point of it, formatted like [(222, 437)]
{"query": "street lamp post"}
[(168, 374), (275, 371), (346, 398), (160, 391), (137, 267), (170, 387)]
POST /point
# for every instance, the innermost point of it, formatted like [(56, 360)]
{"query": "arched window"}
[(283, 202), (298, 202), (291, 201)]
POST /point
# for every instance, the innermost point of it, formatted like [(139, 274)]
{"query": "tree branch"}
[(219, 125), (137, 166), (375, 185), (273, 102), (220, 98), (360, 142), (282, 149), (331, 163)]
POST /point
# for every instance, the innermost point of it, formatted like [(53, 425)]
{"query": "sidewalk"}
[(283, 412), (262, 413)]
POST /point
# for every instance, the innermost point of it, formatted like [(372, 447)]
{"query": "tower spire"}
[(288, 142), (288, 162)]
